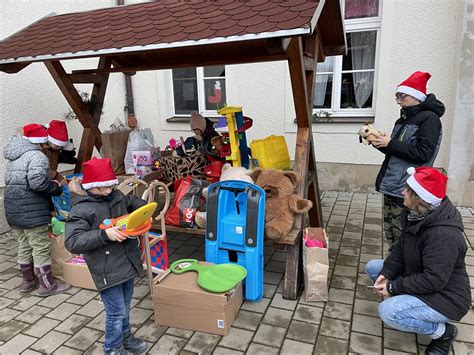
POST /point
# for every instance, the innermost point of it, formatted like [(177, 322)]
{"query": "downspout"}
[(130, 108)]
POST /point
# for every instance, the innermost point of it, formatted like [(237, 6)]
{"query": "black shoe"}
[(118, 351), (443, 344), (134, 345)]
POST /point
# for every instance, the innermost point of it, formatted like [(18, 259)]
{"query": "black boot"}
[(30, 282), (47, 285), (442, 345)]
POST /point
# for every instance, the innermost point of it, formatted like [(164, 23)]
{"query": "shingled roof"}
[(155, 25)]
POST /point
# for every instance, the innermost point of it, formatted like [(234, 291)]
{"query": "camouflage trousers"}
[(392, 223)]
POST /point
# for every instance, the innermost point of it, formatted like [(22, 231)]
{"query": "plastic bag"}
[(139, 139), (187, 200)]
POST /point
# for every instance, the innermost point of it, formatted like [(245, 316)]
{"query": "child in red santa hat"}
[(113, 259)]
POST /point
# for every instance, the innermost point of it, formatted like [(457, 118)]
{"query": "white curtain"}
[(322, 80), (363, 57)]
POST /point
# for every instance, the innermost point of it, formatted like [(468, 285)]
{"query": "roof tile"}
[(252, 21)]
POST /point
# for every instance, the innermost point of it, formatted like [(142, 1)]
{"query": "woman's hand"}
[(114, 235), (380, 141)]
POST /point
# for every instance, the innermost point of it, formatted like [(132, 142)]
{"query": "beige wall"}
[(415, 35)]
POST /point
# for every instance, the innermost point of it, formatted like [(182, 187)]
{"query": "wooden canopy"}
[(172, 33)]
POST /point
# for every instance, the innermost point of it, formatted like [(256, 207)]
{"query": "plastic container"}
[(271, 152)]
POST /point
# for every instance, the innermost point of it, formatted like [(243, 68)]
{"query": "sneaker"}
[(134, 345), (119, 351), (442, 345)]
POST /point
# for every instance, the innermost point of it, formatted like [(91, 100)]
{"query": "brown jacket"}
[(53, 157)]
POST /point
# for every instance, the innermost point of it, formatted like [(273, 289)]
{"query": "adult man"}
[(414, 141)]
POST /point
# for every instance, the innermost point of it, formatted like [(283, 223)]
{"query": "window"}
[(345, 84), (198, 89)]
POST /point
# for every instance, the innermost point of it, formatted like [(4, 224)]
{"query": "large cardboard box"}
[(179, 302), (78, 275)]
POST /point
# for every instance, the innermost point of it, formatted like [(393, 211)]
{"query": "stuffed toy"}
[(281, 203), (368, 133)]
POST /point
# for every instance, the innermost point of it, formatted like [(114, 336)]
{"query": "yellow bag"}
[(270, 152)]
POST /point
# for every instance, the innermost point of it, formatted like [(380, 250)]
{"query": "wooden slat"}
[(199, 231), (99, 89), (85, 78), (85, 149)]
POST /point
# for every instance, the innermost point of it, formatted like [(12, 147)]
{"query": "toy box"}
[(142, 170), (77, 274), (145, 157)]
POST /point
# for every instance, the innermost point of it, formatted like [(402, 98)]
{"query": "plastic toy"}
[(314, 243), (57, 226), (367, 134), (235, 229), (213, 278), (271, 152), (134, 224)]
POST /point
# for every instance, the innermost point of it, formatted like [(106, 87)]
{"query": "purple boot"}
[(47, 285), (30, 282)]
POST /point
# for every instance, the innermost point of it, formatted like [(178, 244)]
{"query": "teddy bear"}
[(368, 133), (281, 202)]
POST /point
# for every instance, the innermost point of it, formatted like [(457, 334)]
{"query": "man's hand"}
[(114, 235), (380, 286), (380, 141)]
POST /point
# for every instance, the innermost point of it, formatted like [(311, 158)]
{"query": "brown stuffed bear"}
[(281, 202)]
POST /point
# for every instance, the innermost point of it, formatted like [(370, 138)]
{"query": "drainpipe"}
[(130, 108)]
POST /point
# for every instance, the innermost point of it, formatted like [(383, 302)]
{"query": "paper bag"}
[(58, 255), (315, 265), (114, 146)]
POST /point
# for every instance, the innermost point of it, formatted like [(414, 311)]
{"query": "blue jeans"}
[(117, 314), (405, 312)]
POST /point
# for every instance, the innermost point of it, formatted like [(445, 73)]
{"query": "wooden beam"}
[(99, 89), (85, 148), (85, 78)]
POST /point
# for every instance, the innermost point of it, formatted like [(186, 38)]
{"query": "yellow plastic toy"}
[(229, 112), (271, 152), (136, 223)]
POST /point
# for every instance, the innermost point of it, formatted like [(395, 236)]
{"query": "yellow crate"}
[(271, 152)]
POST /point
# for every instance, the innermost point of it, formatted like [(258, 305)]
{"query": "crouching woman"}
[(424, 279)]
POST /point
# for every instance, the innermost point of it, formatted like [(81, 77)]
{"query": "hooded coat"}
[(415, 141), (110, 263), (28, 189), (429, 257)]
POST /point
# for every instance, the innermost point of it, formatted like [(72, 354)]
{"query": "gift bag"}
[(187, 200), (315, 264), (114, 145), (139, 139), (175, 168), (58, 255)]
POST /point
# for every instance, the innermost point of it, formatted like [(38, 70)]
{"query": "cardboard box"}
[(78, 275), (145, 157), (179, 302)]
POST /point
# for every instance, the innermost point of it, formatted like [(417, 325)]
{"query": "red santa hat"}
[(415, 85), (98, 173), (428, 183), (57, 133), (35, 133)]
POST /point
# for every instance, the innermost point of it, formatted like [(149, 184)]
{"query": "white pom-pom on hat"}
[(411, 170), (46, 125)]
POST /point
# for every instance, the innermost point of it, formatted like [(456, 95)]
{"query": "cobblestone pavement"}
[(72, 323)]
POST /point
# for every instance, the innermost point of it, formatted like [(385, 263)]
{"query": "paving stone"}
[(371, 249), (463, 348), (367, 257), (342, 296), (50, 342), (74, 323), (275, 266), (292, 347), (82, 297), (30, 352), (7, 314), (395, 352), (342, 282), (54, 300), (63, 311), (40, 328), (269, 290), (278, 317), (368, 308), (279, 302), (141, 291), (247, 320), (351, 251), (335, 328), (224, 351), (468, 318), (10, 329), (367, 325), (403, 341), (97, 322), (149, 331), (328, 345), (202, 343), (466, 332), (33, 314), (84, 338), (347, 260), (338, 311), (17, 344), (365, 344), (138, 316), (91, 309), (308, 314), (365, 293), (270, 335), (259, 307), (5, 302), (279, 256), (259, 349), (238, 339), (182, 333), (303, 331), (73, 290), (272, 278), (11, 283), (64, 350), (169, 345)]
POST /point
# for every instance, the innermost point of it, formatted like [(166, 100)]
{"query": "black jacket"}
[(110, 263), (28, 189), (415, 141), (430, 258)]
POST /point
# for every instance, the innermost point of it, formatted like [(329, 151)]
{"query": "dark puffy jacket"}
[(416, 139), (430, 258), (28, 189), (110, 263)]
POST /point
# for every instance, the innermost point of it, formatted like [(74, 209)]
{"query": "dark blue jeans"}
[(117, 313)]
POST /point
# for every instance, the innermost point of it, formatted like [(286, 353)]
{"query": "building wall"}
[(415, 35)]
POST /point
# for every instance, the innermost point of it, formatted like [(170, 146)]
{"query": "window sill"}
[(343, 119), (186, 119)]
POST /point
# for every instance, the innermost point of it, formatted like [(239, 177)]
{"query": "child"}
[(113, 259), (28, 192), (57, 139)]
